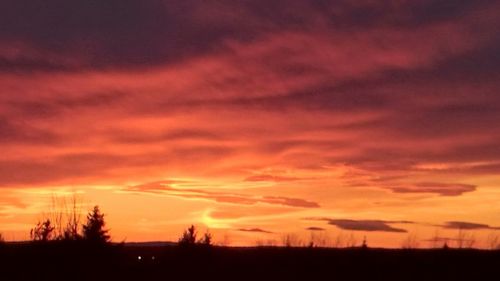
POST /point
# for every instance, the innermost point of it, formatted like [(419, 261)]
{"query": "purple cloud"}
[(467, 225)]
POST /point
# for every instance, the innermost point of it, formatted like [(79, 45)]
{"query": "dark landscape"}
[(78, 261)]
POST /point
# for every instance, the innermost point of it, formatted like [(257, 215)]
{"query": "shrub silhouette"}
[(43, 231), (73, 218), (64, 216), (93, 230)]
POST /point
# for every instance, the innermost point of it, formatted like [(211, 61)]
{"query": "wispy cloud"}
[(271, 178), (221, 197)]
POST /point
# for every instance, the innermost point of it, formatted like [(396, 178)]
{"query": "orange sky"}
[(376, 119)]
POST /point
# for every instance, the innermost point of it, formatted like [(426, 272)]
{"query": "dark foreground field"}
[(63, 261)]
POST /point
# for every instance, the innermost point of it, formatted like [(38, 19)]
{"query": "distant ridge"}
[(150, 244)]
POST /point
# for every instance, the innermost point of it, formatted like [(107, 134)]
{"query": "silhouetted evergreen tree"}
[(188, 237), (93, 230), (206, 239)]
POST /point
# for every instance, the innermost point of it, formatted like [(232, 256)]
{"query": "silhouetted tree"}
[(2, 240), (43, 231), (93, 230), (188, 237), (206, 239)]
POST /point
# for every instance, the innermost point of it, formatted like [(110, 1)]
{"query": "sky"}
[(255, 119)]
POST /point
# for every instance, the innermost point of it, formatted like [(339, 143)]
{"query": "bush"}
[(43, 231)]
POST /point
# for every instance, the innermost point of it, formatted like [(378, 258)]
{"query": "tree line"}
[(93, 230), (63, 223)]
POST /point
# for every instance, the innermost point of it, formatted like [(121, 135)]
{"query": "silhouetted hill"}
[(145, 261)]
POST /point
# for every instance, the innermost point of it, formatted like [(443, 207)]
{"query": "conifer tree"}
[(93, 230)]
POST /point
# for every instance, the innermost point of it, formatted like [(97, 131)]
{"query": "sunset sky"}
[(255, 119)]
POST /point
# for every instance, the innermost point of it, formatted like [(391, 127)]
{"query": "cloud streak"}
[(468, 225), (221, 197), (255, 230), (442, 189), (365, 225)]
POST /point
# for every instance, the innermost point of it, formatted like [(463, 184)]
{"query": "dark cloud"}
[(258, 230), (442, 189), (365, 225), (467, 225), (103, 33), (59, 35), (315, 228)]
